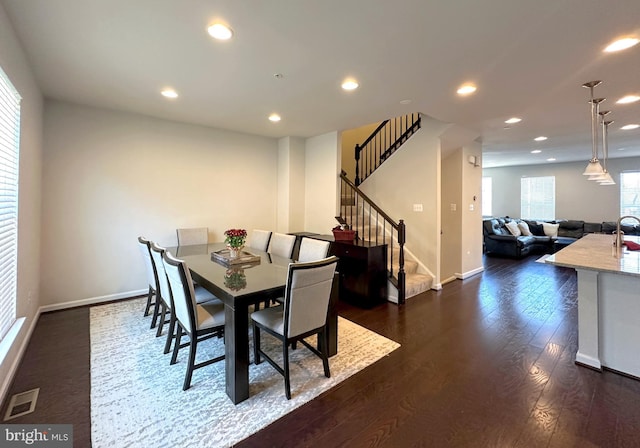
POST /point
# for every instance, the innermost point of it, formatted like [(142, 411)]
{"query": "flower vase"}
[(234, 252)]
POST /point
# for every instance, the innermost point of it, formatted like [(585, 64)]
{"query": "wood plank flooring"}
[(486, 362)]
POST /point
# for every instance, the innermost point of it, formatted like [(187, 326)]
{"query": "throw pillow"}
[(512, 226), (550, 229), (524, 228)]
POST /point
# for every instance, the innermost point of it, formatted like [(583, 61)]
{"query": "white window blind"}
[(486, 196), (630, 194), (9, 150), (538, 197)]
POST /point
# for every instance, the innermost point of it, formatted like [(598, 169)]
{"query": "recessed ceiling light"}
[(621, 44), (169, 93), (536, 151), (350, 84), (630, 126), (540, 139), (220, 31), (628, 99), (466, 89), (405, 102), (513, 120), (275, 118), (551, 159)]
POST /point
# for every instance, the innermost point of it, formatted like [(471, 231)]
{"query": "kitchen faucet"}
[(619, 238)]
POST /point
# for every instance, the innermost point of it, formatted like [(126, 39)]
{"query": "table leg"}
[(236, 343), (332, 317)]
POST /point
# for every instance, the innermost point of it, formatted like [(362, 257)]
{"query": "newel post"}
[(401, 273)]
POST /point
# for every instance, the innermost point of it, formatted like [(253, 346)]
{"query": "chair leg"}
[(325, 352), (192, 360), (256, 345), (149, 302), (170, 333), (176, 345), (156, 312), (287, 382), (162, 320)]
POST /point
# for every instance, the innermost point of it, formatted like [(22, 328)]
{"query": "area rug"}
[(137, 398), (543, 258)]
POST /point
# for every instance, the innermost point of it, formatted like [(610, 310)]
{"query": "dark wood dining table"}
[(252, 283)]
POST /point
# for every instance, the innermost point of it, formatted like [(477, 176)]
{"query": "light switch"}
[(417, 207), (471, 207), (454, 207)]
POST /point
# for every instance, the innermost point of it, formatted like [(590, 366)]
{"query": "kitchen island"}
[(608, 302)]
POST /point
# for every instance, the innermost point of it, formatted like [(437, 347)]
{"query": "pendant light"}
[(594, 167), (608, 180)]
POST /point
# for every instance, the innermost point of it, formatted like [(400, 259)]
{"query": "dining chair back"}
[(281, 245), (259, 239), (145, 250), (165, 296), (304, 313), (312, 250), (191, 236), (198, 322)]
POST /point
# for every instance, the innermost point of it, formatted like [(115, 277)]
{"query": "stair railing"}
[(383, 142), (360, 212)]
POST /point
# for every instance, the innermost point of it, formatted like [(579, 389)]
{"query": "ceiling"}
[(528, 59)]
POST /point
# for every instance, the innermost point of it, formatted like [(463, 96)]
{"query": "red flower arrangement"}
[(235, 237)]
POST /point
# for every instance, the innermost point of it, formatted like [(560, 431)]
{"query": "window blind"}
[(630, 194), (538, 197), (9, 151)]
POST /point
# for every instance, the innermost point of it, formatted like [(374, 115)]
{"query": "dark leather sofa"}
[(499, 241)]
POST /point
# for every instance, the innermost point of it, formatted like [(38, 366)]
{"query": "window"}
[(538, 197), (630, 193), (486, 197), (9, 149)]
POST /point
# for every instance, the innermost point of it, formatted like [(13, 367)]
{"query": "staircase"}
[(407, 277)]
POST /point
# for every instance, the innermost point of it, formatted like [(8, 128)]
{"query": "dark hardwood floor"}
[(486, 362)]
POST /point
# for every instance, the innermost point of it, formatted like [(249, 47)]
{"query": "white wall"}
[(291, 188), (412, 176), (322, 162), (16, 67), (471, 202), (451, 259), (576, 197), (109, 177)]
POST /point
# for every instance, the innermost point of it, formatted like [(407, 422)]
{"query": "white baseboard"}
[(93, 300), (466, 275), (436, 286), (448, 280)]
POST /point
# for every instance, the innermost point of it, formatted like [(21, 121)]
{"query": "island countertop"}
[(596, 252)]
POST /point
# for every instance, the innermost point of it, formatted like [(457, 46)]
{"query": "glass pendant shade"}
[(608, 180), (593, 169)]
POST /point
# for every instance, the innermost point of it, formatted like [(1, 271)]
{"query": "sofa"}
[(500, 236)]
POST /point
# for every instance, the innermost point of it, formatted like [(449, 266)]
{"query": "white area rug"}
[(543, 258), (137, 398)]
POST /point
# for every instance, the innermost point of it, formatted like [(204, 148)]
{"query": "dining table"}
[(241, 286)]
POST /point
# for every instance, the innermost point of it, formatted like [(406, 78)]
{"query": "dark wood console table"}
[(362, 269)]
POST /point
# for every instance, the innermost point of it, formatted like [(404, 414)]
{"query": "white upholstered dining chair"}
[(259, 239), (194, 235), (198, 322), (281, 244), (304, 313), (145, 250), (312, 250)]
